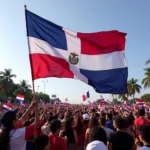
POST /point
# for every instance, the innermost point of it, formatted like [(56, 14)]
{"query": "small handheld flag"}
[(7, 106), (140, 102), (20, 98), (84, 97)]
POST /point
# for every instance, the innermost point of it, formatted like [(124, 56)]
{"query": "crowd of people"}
[(74, 128)]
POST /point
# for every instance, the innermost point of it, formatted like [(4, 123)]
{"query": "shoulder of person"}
[(144, 148), (18, 132)]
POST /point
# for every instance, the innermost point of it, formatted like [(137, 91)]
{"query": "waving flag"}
[(101, 106), (20, 98), (7, 106), (140, 102), (108, 101), (102, 98), (84, 97), (42, 103), (95, 58), (22, 104)]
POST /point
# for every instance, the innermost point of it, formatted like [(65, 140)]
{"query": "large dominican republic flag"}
[(95, 58)]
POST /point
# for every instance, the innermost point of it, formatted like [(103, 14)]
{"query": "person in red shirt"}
[(141, 119), (79, 129), (56, 143)]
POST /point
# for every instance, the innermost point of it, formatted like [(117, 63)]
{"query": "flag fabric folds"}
[(140, 102), (95, 58), (84, 97), (7, 106), (20, 98)]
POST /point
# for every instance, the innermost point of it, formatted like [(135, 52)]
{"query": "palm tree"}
[(123, 97), (146, 80), (147, 62), (6, 80), (133, 87), (24, 85), (23, 88)]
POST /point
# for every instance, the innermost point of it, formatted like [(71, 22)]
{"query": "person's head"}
[(102, 121), (50, 118), (119, 123), (141, 112), (67, 125), (144, 133), (128, 122), (97, 115), (109, 117), (93, 122), (97, 134), (8, 122), (42, 142), (55, 126), (79, 125)]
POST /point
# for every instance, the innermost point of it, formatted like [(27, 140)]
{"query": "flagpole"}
[(33, 85)]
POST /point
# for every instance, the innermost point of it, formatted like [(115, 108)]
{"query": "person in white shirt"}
[(46, 129), (103, 125), (14, 138), (97, 139)]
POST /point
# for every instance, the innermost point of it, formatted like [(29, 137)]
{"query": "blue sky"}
[(130, 16)]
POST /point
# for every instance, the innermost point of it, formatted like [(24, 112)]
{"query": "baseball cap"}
[(96, 145), (86, 117)]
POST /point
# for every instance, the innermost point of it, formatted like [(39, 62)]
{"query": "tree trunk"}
[(5, 89), (133, 98)]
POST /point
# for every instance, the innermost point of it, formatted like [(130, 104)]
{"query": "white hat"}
[(96, 145), (86, 117)]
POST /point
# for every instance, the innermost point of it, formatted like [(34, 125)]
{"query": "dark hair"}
[(93, 122), (110, 116), (79, 126), (141, 112), (144, 131), (120, 123), (102, 121), (40, 142), (55, 125), (68, 130), (85, 122), (7, 119), (128, 121), (97, 115), (50, 118), (97, 133)]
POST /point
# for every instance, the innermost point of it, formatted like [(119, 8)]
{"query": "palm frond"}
[(147, 62)]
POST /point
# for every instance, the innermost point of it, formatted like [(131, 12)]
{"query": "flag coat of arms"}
[(95, 58)]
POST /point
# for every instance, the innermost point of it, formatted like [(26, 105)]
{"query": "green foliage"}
[(147, 62), (123, 97), (146, 80), (42, 96), (115, 101), (6, 81), (98, 101), (133, 87), (146, 97)]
